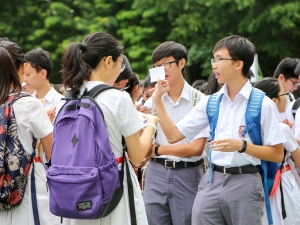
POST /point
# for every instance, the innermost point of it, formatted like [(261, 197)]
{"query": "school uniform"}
[(51, 99), (291, 191), (287, 113), (32, 120), (235, 199), (121, 119), (169, 192)]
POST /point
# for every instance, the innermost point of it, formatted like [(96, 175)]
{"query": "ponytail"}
[(74, 70)]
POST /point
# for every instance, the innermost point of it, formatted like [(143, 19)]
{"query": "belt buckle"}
[(224, 170), (169, 167)]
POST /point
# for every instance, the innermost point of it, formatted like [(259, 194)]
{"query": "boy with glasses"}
[(285, 74), (173, 173), (228, 197)]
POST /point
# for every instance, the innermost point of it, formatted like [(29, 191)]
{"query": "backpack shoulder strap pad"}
[(97, 90), (253, 114), (212, 110)]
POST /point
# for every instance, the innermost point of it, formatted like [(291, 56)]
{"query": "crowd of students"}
[(171, 147)]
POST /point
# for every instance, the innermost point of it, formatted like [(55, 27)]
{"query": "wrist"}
[(153, 126), (244, 146), (156, 150)]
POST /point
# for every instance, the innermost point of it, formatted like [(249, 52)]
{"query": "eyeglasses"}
[(283, 94), (217, 60), (166, 65), (123, 89), (294, 83)]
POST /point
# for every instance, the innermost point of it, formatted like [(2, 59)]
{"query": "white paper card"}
[(158, 72)]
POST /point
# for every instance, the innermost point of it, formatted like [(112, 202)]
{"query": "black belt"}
[(176, 165), (237, 170)]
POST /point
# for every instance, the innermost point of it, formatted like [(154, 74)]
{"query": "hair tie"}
[(83, 47), (2, 46)]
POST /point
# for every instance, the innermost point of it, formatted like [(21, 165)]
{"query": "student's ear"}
[(182, 63), (44, 73), (239, 65), (108, 62), (281, 78)]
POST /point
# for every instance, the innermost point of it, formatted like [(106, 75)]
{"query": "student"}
[(291, 191), (173, 175), (98, 60), (32, 121), (227, 198), (37, 74), (285, 73), (122, 79), (133, 87)]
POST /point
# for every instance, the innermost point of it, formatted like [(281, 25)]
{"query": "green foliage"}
[(141, 25)]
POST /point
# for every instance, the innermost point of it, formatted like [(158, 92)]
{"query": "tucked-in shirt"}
[(176, 111), (231, 120)]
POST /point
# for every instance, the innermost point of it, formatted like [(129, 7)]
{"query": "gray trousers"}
[(169, 194), (229, 200)]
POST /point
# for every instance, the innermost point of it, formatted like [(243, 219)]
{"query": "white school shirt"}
[(176, 111), (286, 114), (231, 118), (297, 124), (51, 99)]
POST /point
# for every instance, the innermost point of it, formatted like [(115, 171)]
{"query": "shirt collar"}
[(184, 93), (245, 91), (49, 96)]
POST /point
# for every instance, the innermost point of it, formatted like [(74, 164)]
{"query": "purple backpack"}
[(83, 178)]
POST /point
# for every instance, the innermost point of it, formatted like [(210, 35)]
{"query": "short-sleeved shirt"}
[(120, 116), (230, 122), (32, 120), (51, 99), (176, 111)]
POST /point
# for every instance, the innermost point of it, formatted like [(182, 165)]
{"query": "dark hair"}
[(11, 59), (270, 86), (39, 59), (239, 48), (297, 69), (212, 84), (148, 83), (126, 73), (197, 83), (170, 48), (132, 82), (287, 67), (79, 59)]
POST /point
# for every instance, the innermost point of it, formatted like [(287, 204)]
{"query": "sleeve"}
[(149, 103), (195, 121), (291, 144), (203, 134), (126, 116), (270, 126), (40, 124)]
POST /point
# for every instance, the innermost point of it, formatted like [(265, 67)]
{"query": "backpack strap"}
[(212, 110), (97, 90), (253, 128), (295, 107), (196, 96)]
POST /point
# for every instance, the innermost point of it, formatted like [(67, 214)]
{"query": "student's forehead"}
[(166, 59), (222, 52)]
